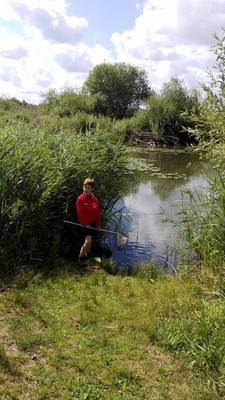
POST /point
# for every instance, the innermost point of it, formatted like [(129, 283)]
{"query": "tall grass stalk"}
[(201, 220), (38, 168)]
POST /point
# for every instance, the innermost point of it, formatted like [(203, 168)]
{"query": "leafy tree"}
[(120, 88), (170, 111), (178, 103)]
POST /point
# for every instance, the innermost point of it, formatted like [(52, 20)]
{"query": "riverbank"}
[(90, 335), (162, 149)]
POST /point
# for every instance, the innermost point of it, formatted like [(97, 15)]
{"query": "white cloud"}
[(16, 53), (81, 58), (8, 8), (74, 62), (53, 26), (47, 52), (172, 38), (42, 46)]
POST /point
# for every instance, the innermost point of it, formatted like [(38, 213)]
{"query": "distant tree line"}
[(117, 97)]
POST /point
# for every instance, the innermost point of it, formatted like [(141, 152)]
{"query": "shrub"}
[(38, 169), (124, 129), (169, 113), (67, 103)]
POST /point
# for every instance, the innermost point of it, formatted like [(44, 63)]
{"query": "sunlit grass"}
[(91, 335)]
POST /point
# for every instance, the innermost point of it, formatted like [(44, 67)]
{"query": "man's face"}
[(87, 189)]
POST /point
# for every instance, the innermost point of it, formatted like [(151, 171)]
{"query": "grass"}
[(91, 335)]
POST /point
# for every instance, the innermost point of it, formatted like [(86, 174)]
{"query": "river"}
[(158, 179)]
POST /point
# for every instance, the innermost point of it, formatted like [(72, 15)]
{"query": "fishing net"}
[(121, 240)]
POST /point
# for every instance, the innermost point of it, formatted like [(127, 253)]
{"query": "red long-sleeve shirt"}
[(88, 210)]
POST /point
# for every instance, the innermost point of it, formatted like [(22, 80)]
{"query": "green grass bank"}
[(85, 334)]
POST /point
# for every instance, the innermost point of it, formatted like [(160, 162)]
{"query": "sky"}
[(48, 44)]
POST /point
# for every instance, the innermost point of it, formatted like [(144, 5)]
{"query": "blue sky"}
[(105, 18), (48, 44)]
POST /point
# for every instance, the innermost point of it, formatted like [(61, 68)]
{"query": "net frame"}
[(121, 240)]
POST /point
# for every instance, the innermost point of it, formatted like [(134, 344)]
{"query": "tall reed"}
[(38, 168), (201, 218)]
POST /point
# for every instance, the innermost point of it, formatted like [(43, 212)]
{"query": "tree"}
[(175, 94), (170, 112), (120, 88)]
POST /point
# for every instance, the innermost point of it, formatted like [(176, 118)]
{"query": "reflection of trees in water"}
[(188, 164), (164, 189), (147, 195), (183, 166)]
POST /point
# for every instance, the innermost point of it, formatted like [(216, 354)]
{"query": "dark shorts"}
[(89, 231)]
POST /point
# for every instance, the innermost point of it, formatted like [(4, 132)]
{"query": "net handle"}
[(97, 229)]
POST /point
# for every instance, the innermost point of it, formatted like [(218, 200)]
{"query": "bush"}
[(169, 113), (123, 129), (142, 121), (67, 103), (38, 169), (82, 122)]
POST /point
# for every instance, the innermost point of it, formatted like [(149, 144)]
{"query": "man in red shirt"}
[(89, 214)]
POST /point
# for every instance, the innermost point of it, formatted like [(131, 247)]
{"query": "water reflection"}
[(154, 192)]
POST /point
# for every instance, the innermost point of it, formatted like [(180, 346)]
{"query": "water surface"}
[(158, 178)]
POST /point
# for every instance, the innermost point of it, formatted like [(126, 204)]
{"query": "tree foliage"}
[(120, 87), (169, 112), (67, 102)]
